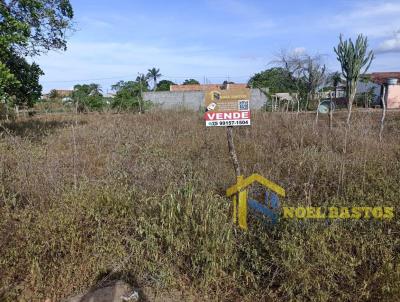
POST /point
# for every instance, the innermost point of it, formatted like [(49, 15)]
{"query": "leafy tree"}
[(191, 82), (128, 95), (277, 79), (154, 74), (7, 79), (88, 97), (11, 32), (29, 27), (164, 85), (353, 58), (306, 71), (29, 90), (35, 26)]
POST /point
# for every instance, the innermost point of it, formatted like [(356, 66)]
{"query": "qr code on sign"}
[(244, 105)]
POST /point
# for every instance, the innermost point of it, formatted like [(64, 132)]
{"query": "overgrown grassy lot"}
[(141, 197)]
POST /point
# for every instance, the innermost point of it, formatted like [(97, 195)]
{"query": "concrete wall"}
[(194, 99), (176, 99)]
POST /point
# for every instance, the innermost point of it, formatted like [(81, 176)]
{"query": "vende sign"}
[(237, 118), (227, 116), (227, 107)]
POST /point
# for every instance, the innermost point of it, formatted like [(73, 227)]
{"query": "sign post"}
[(231, 108)]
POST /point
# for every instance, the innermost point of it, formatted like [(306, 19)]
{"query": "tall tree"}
[(353, 58), (128, 95), (277, 79), (28, 76), (306, 71), (154, 74), (30, 27)]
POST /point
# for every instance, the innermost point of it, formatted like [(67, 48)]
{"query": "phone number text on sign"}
[(228, 123), (237, 118)]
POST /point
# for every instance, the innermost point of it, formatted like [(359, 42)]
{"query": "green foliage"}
[(34, 26), (128, 95), (164, 85), (7, 79), (191, 82), (88, 97), (28, 76), (276, 79), (12, 31), (353, 58), (29, 27)]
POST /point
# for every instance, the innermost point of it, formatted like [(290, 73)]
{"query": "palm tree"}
[(141, 79), (335, 79), (352, 58), (95, 89), (154, 74)]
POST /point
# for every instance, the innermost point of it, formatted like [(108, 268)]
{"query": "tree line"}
[(124, 96), (32, 27)]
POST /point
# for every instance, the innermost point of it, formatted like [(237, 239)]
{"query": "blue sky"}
[(213, 39)]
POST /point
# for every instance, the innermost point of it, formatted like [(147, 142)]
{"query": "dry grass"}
[(143, 196)]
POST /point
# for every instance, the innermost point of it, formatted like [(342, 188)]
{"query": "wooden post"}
[(331, 113), (232, 151), (239, 200), (383, 98)]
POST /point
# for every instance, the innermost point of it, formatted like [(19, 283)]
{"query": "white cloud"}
[(390, 45), (372, 18)]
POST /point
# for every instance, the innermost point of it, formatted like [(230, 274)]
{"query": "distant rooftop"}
[(381, 77)]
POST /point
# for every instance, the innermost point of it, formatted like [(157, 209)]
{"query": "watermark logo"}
[(355, 213), (266, 205)]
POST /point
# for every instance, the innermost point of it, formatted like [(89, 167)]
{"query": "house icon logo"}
[(268, 208)]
